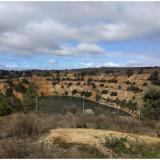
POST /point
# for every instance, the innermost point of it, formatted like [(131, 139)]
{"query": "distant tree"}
[(25, 81), (5, 108), (154, 78), (151, 107), (15, 103), (9, 92), (113, 93), (98, 97), (86, 93), (141, 71), (10, 82), (130, 72), (29, 97), (74, 91), (104, 91), (20, 88)]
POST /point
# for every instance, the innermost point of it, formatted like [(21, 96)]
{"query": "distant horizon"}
[(70, 35), (81, 68)]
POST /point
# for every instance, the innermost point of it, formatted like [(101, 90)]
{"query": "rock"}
[(88, 112)]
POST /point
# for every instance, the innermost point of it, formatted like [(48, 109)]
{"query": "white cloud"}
[(33, 27), (110, 64), (82, 48)]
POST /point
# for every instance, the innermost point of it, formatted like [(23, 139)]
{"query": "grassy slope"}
[(108, 143)]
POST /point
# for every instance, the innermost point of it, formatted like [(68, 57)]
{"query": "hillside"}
[(122, 88)]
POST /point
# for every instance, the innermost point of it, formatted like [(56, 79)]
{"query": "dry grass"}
[(25, 125), (20, 131)]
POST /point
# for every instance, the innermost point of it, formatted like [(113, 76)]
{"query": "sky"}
[(67, 35)]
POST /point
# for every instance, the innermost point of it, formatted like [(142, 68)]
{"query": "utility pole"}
[(139, 118), (36, 104), (83, 105)]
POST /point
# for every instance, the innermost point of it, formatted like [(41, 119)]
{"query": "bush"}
[(20, 88), (29, 99), (104, 91), (9, 92), (112, 81), (78, 83), (5, 108), (151, 108), (25, 81), (26, 125), (74, 91), (134, 88), (101, 85), (145, 84), (129, 72), (154, 78), (86, 93), (113, 93)]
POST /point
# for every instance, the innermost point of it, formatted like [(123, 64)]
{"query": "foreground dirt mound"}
[(108, 143)]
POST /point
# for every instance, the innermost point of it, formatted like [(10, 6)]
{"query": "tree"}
[(25, 81), (129, 72), (154, 78), (151, 107), (29, 98), (5, 108), (74, 91), (9, 92), (20, 88)]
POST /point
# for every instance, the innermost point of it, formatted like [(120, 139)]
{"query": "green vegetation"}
[(154, 78), (151, 108), (25, 81), (112, 81), (134, 89), (113, 93), (5, 108), (123, 147), (74, 91), (105, 91), (20, 88), (29, 99), (130, 72), (86, 93)]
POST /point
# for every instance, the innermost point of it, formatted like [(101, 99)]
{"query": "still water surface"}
[(57, 104)]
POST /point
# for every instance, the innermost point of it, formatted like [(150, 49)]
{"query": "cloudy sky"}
[(60, 35)]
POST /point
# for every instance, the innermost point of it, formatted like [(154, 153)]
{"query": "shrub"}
[(112, 81), (113, 93), (128, 82), (81, 125), (129, 72), (29, 99), (10, 82), (154, 78), (101, 85), (145, 84), (9, 92), (93, 85), (69, 84), (86, 93), (20, 88), (134, 88), (26, 125), (5, 108), (104, 91), (78, 83), (66, 93), (25, 81), (151, 108), (74, 91)]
